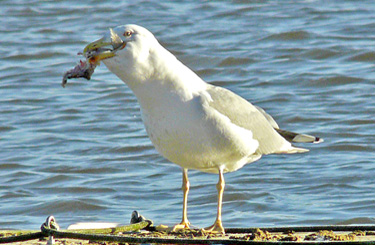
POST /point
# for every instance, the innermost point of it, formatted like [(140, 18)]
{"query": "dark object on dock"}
[(144, 232)]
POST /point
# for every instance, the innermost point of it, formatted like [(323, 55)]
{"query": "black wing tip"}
[(318, 140)]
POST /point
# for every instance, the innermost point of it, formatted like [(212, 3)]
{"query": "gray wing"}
[(244, 114)]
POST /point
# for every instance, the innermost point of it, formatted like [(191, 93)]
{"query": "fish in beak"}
[(94, 52)]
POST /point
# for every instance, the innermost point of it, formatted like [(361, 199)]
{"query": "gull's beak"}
[(103, 48), (98, 50)]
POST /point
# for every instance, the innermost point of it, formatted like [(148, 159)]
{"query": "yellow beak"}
[(98, 50)]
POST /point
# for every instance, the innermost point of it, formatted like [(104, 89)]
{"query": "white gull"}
[(190, 122)]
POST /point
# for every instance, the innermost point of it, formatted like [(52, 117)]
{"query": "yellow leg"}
[(185, 188), (218, 226)]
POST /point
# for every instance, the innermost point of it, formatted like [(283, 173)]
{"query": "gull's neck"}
[(158, 75)]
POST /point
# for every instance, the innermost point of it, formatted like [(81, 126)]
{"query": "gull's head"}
[(124, 50)]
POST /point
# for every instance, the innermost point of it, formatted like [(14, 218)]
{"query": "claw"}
[(181, 226), (217, 227)]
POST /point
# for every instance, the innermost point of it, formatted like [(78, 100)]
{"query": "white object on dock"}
[(92, 225)]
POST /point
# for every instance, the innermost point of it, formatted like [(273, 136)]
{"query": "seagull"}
[(191, 123)]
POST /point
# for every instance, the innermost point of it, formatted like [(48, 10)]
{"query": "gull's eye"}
[(128, 33)]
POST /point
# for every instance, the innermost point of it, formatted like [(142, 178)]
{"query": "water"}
[(82, 154)]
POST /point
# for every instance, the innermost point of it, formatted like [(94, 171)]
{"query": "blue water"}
[(82, 154)]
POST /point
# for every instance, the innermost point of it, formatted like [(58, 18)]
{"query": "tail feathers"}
[(299, 138), (294, 150)]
